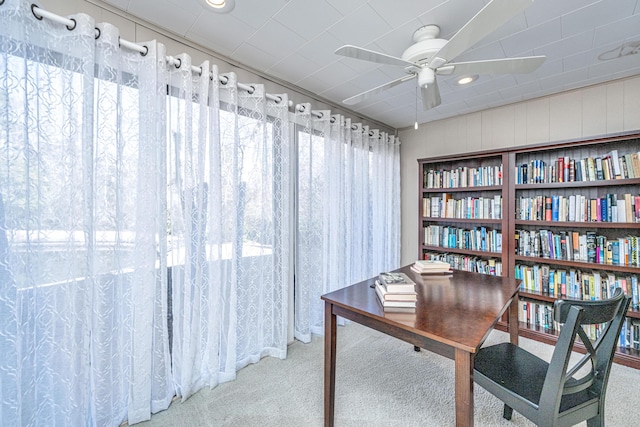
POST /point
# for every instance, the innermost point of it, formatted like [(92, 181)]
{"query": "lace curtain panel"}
[(153, 214), (229, 214), (83, 291), (348, 210)]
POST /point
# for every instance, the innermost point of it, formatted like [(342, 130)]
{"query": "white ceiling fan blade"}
[(430, 95), (495, 66), (369, 93), (370, 55), (490, 17)]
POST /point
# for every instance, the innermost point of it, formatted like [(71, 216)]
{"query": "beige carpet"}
[(381, 381)]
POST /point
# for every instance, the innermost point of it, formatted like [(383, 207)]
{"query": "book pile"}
[(396, 292), (431, 267)]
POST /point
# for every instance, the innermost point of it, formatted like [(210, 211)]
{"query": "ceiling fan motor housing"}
[(426, 44)]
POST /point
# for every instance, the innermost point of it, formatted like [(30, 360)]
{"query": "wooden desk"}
[(454, 316)]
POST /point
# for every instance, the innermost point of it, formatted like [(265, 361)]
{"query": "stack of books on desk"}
[(431, 267), (396, 292)]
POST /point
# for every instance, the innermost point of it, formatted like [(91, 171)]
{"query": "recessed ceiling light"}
[(222, 6), (467, 79)]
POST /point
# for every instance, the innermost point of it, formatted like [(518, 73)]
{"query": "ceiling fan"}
[(430, 55)]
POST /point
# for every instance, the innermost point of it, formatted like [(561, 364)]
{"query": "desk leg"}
[(513, 320), (464, 388), (329, 364)]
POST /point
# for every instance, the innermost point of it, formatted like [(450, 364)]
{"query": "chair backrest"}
[(561, 380)]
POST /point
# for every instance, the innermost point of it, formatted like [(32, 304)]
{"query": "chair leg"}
[(508, 412), (597, 421)]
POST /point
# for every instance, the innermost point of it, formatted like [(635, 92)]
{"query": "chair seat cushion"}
[(513, 368), (521, 373)]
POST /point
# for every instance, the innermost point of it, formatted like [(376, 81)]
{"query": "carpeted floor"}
[(381, 382)]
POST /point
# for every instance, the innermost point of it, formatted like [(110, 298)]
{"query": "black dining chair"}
[(551, 393)]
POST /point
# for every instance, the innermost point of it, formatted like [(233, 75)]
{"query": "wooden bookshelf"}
[(465, 196), (517, 195)]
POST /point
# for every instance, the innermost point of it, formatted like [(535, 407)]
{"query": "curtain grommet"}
[(33, 10), (253, 89), (179, 64), (98, 33), (146, 51), (75, 24)]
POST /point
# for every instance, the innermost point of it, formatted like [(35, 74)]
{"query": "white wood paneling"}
[(631, 103), (594, 110), (565, 116), (615, 102), (538, 121)]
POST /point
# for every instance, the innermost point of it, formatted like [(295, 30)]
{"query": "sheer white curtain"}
[(83, 278), (348, 201), (230, 207)]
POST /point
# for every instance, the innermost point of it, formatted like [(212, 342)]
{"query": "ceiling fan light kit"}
[(221, 6), (429, 55), (467, 79)]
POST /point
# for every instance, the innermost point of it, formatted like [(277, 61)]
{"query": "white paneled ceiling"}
[(586, 42)]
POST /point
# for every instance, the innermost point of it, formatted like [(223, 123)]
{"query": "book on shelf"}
[(397, 283), (431, 267)]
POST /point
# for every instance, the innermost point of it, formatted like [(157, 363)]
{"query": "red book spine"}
[(560, 169)]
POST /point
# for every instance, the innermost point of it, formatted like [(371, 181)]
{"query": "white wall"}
[(592, 111)]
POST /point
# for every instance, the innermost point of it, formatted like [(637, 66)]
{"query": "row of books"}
[(541, 315), (579, 208), (489, 266), (476, 239), (575, 246), (576, 283), (396, 292), (463, 177), (446, 206), (566, 169)]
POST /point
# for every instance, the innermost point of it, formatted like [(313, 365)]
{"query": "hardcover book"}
[(397, 283)]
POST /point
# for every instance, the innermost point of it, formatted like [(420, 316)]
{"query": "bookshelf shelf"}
[(462, 189), (579, 264), (463, 220), (575, 224), (624, 356), (537, 296), (558, 169), (486, 254), (579, 184)]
